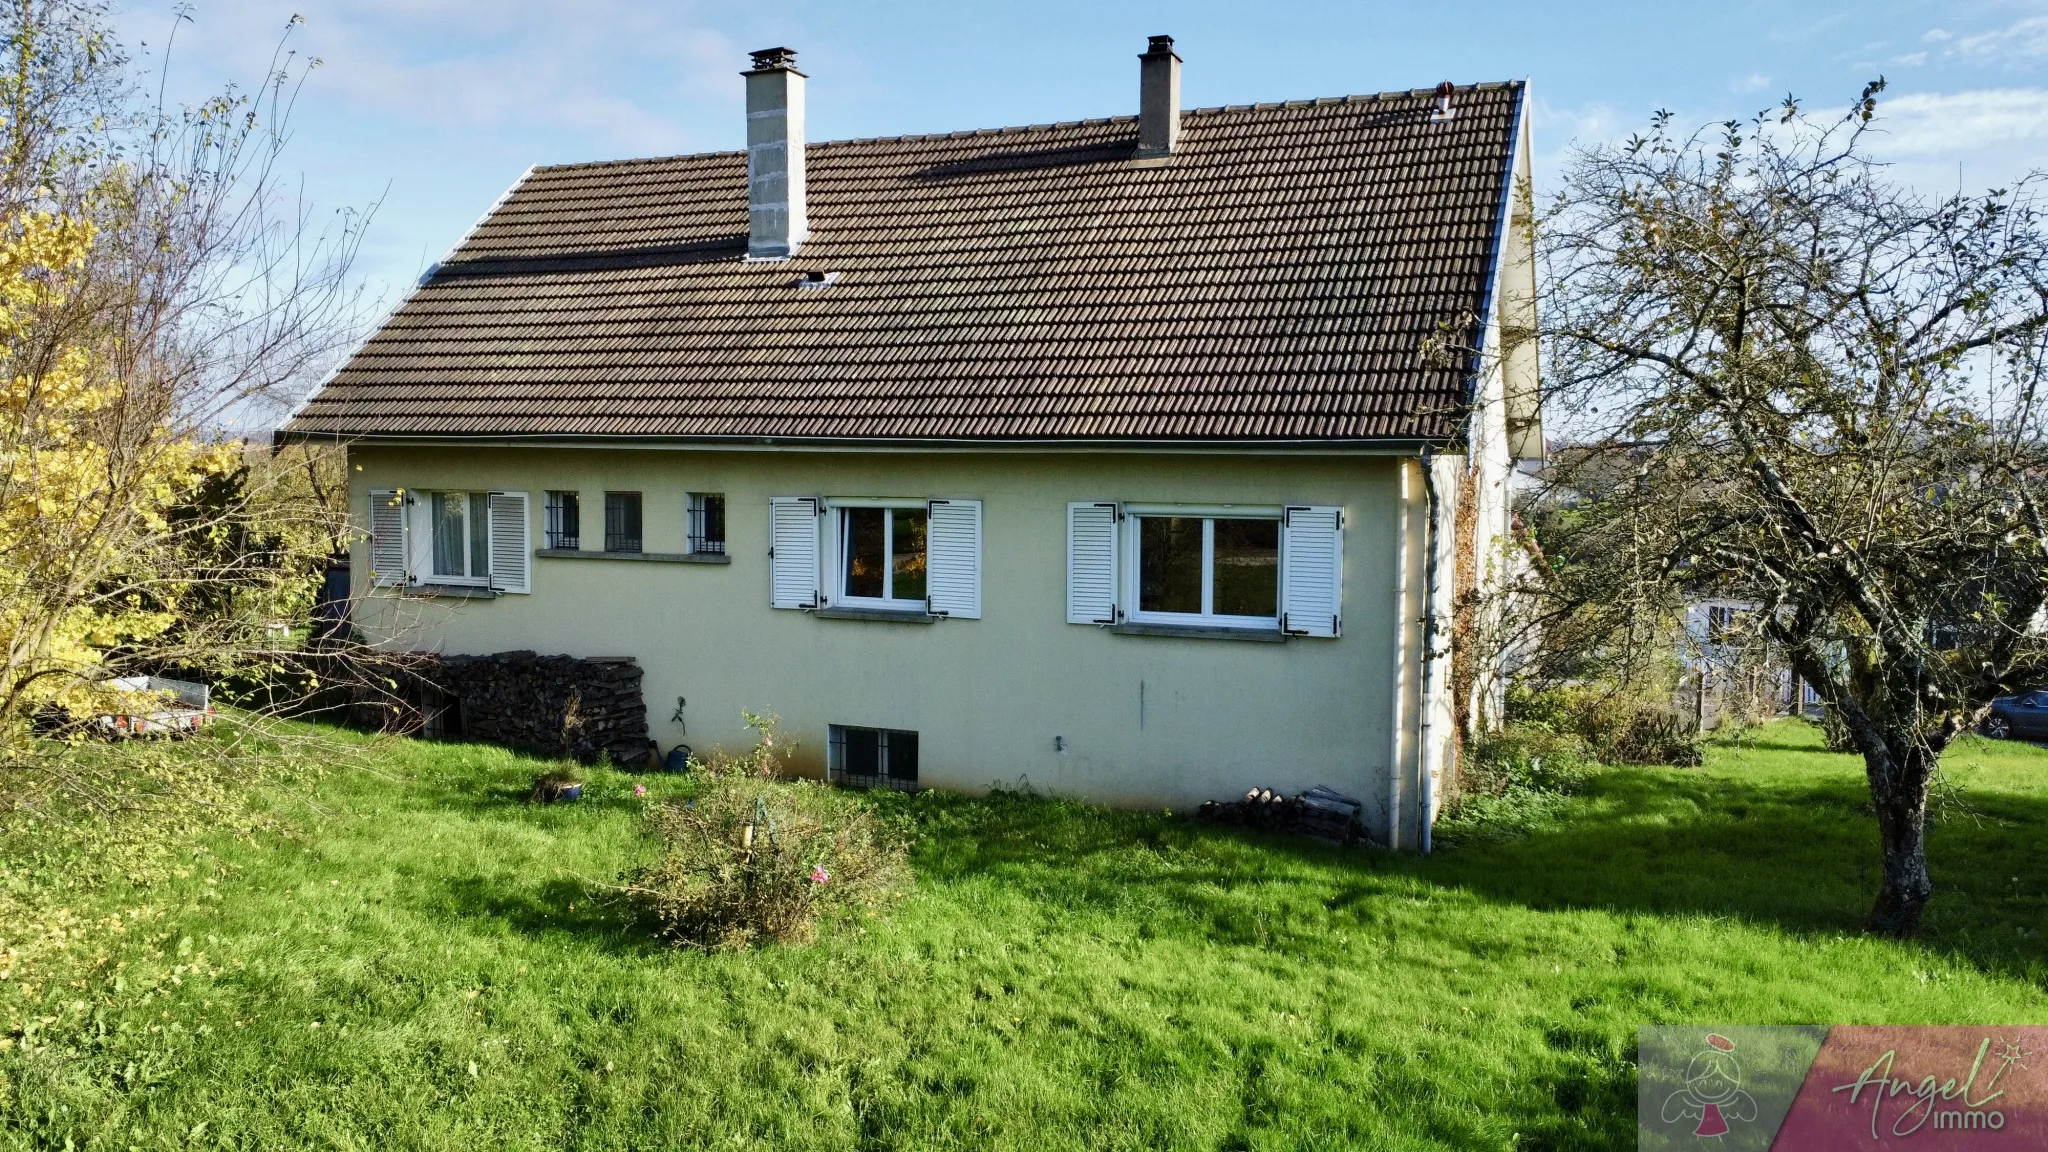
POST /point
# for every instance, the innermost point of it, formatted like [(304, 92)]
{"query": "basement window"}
[(872, 758)]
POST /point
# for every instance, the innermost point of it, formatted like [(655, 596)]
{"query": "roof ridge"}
[(1092, 122)]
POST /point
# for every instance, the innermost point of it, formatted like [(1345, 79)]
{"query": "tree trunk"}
[(1898, 786)]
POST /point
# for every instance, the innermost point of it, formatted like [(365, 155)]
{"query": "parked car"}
[(2021, 717)]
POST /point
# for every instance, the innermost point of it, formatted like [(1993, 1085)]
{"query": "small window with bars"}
[(622, 522), (872, 758), (565, 520), (707, 523)]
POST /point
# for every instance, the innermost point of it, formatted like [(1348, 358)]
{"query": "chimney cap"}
[(1159, 46), (768, 59)]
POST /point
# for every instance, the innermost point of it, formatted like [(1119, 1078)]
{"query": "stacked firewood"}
[(1321, 812), (554, 705)]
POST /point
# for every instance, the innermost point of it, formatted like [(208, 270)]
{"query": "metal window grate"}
[(622, 522), (565, 520), (872, 758), (707, 522)]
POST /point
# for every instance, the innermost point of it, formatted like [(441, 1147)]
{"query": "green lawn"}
[(422, 965)]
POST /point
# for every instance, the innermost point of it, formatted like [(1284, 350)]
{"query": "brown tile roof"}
[(1274, 281)]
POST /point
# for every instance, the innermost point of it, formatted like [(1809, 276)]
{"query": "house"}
[(1141, 459)]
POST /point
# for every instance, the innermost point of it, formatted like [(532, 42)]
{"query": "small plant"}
[(751, 856)]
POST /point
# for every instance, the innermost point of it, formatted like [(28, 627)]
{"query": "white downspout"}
[(1426, 758), (1396, 763)]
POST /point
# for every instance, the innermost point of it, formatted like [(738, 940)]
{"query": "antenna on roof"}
[(1443, 110)]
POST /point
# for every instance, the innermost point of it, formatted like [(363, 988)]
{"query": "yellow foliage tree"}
[(88, 555)]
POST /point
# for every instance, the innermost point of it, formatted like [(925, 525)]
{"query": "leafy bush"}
[(1614, 728), (754, 857), (1513, 780), (1528, 756)]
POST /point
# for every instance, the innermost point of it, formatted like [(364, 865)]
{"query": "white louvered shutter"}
[(1312, 571), (953, 558), (511, 554), (387, 537), (1091, 563), (793, 551)]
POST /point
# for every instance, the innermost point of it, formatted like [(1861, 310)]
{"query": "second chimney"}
[(776, 223), (1158, 99)]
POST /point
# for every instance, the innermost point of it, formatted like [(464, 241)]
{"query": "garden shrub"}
[(1614, 727), (1513, 780), (752, 856)]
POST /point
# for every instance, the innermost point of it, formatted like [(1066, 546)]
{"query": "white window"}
[(1218, 567), (459, 538), (883, 557), (918, 557), (1215, 570), (455, 539)]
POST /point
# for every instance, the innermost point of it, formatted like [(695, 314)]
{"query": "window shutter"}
[(953, 558), (511, 555), (1091, 563), (387, 537), (793, 551), (1312, 571)]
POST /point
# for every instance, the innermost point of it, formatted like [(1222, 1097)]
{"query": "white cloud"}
[(2024, 39), (480, 64), (1937, 36), (1910, 60), (1929, 124), (1754, 82)]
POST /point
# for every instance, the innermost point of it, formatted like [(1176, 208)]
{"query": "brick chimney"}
[(776, 223), (1158, 99)]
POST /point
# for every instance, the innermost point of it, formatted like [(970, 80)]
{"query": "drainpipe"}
[(1426, 755), (1396, 764)]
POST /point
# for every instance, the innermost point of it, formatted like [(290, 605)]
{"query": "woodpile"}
[(1320, 812), (553, 705)]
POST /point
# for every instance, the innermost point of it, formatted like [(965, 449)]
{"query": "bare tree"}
[(1794, 383)]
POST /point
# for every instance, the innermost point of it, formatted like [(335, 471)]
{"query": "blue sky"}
[(433, 107)]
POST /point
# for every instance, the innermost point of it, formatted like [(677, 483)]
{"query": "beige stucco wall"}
[(1146, 720)]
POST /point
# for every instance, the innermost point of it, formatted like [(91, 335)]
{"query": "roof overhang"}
[(880, 444)]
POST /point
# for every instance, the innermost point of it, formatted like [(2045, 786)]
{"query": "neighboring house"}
[(1121, 458)]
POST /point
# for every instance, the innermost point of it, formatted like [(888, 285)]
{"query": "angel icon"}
[(1713, 1091)]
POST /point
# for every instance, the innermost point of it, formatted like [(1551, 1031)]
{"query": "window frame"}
[(697, 527), (469, 549), (556, 502), (835, 582), (1132, 563), (639, 538), (888, 776)]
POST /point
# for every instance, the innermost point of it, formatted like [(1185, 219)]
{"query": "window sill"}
[(652, 557), (454, 591), (882, 614), (1197, 632)]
